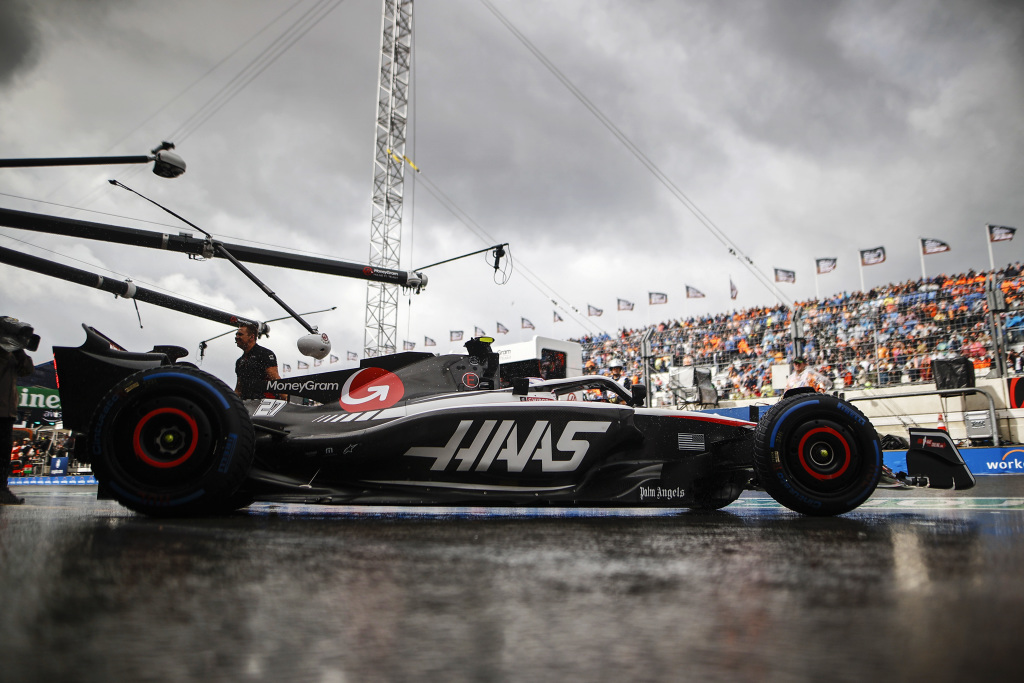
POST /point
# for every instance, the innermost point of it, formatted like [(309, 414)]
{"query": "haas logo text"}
[(499, 440)]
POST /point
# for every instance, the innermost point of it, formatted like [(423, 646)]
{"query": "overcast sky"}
[(801, 129)]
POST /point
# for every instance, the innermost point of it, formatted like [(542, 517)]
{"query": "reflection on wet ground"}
[(914, 586)]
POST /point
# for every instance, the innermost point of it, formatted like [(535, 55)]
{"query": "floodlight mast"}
[(388, 174)]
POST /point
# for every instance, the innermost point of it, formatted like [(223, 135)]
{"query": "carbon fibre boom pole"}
[(74, 161), (127, 290), (194, 246)]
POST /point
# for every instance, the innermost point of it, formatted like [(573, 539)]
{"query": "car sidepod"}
[(515, 452), (705, 459)]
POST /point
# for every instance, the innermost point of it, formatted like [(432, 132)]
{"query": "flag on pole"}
[(593, 310), (502, 329), (408, 345), (693, 293), (655, 298), (334, 359), (825, 265), (352, 355), (527, 325), (625, 305), (733, 292), (287, 368), (478, 332), (303, 365), (785, 275), (1000, 233), (872, 257), (558, 318), (427, 341), (455, 335), (933, 246)]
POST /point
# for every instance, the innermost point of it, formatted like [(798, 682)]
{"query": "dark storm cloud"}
[(486, 103), (805, 90), (831, 79), (22, 38), (19, 40), (696, 85)]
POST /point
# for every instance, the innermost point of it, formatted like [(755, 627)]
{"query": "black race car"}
[(165, 438)]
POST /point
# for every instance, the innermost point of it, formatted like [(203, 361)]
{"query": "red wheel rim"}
[(145, 457), (819, 475)]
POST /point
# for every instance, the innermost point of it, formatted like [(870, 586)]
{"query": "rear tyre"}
[(817, 454), (172, 441)]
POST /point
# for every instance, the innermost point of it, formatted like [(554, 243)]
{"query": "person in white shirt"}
[(806, 376)]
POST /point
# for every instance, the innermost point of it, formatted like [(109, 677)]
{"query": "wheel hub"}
[(170, 440), (165, 437), (824, 453)]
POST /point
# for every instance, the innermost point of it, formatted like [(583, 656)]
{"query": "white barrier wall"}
[(891, 412)]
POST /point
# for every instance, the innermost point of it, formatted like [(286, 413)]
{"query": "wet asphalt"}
[(914, 586)]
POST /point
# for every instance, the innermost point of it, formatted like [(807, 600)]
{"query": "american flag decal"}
[(691, 442)]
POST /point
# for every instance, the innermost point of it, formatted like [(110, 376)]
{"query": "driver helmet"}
[(614, 363)]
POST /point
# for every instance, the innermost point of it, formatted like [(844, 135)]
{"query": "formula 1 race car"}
[(165, 438)]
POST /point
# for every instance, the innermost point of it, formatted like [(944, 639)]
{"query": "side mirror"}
[(639, 392)]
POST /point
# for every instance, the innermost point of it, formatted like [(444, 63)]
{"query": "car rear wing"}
[(86, 373)]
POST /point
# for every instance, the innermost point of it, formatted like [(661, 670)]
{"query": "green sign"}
[(36, 397), (36, 405)]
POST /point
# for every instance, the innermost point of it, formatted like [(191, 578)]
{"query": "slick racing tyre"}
[(172, 441), (817, 454)]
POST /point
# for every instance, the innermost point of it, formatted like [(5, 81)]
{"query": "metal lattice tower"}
[(388, 174)]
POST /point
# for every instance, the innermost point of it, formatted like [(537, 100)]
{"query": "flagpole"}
[(817, 294), (988, 238), (860, 260), (920, 244)]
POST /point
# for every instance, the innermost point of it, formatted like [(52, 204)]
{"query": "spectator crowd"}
[(888, 335)]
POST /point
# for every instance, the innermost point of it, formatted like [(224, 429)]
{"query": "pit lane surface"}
[(925, 585)]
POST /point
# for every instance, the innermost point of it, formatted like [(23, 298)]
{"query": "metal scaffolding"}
[(388, 175)]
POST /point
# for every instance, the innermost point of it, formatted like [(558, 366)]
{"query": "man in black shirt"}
[(255, 367)]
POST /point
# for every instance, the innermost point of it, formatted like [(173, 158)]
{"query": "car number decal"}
[(269, 407)]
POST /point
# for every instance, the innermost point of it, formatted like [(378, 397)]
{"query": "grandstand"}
[(884, 341)]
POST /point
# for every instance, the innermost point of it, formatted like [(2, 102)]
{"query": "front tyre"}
[(172, 441), (817, 454)]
